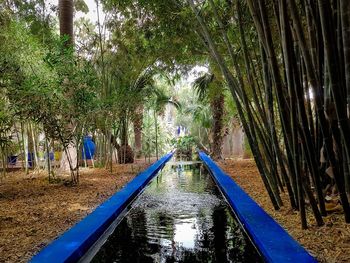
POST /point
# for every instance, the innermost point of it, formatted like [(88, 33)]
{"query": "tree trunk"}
[(48, 158), (156, 131), (125, 153), (66, 9), (138, 119), (333, 70), (345, 19), (25, 148), (217, 105)]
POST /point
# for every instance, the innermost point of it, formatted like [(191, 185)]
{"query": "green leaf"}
[(80, 5)]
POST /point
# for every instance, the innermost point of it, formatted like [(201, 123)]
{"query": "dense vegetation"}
[(282, 67)]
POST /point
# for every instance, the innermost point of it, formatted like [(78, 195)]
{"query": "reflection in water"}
[(180, 217)]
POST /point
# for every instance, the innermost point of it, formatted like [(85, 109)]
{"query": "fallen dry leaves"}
[(329, 243), (33, 212)]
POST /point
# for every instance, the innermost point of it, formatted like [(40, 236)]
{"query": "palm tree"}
[(137, 122), (141, 85), (202, 116), (208, 89), (66, 9), (160, 101), (70, 155), (137, 93)]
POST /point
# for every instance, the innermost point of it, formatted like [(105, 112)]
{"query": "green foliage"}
[(159, 99), (201, 85), (184, 144), (35, 14), (7, 120), (195, 115), (80, 5), (148, 135), (99, 88), (157, 30), (48, 86)]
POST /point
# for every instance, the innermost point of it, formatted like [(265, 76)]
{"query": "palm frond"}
[(175, 103), (145, 79), (162, 99), (201, 85)]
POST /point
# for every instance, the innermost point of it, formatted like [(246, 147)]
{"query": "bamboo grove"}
[(286, 65), (289, 78)]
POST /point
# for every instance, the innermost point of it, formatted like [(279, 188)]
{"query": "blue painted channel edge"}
[(74, 243), (273, 242)]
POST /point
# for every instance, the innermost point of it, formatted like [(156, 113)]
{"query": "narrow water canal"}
[(180, 217)]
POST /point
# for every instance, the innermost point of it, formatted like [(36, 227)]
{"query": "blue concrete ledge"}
[(74, 243), (272, 241)]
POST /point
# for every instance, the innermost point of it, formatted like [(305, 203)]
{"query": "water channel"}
[(181, 216)]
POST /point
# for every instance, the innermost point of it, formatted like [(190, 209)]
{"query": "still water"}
[(180, 217)]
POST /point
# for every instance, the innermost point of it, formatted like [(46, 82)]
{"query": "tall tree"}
[(66, 9), (211, 90)]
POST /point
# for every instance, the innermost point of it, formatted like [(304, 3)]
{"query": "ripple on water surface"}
[(180, 217)]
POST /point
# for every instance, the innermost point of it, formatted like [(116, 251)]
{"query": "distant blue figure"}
[(89, 148), (51, 155), (30, 160), (178, 130), (12, 160)]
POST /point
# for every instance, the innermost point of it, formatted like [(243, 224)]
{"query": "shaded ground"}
[(330, 243), (33, 213)]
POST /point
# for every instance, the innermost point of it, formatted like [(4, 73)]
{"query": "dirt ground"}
[(33, 212), (329, 243)]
